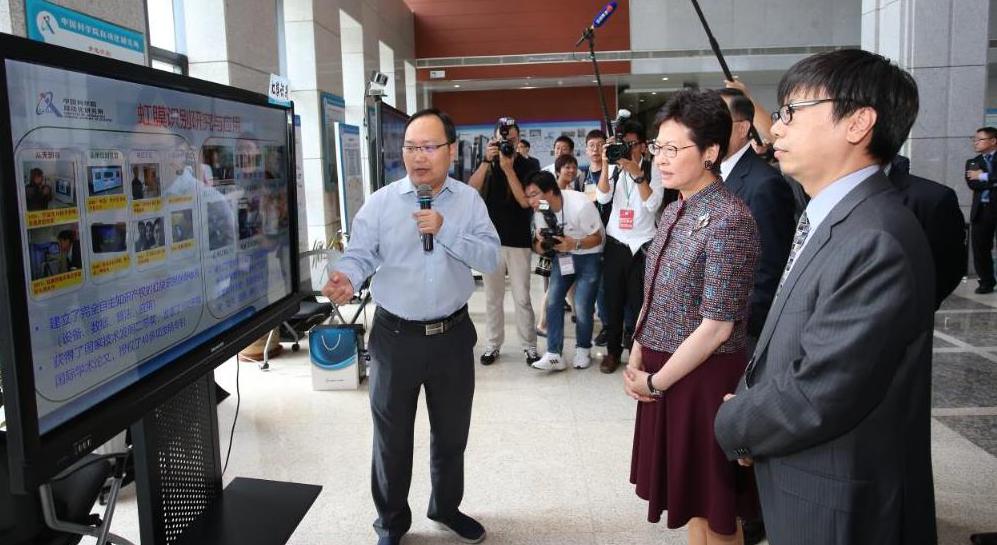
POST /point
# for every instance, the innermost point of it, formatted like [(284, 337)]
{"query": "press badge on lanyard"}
[(626, 219), (627, 214), (566, 264)]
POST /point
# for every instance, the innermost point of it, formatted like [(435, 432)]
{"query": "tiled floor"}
[(549, 454)]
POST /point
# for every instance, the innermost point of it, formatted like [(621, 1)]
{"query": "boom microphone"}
[(425, 194), (599, 20)]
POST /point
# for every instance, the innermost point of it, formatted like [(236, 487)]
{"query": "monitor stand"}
[(178, 481)]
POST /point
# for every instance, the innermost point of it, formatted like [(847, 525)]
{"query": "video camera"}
[(548, 240), (506, 146), (618, 149)]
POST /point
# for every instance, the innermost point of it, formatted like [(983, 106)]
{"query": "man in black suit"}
[(936, 208), (982, 216), (771, 201), (835, 406)]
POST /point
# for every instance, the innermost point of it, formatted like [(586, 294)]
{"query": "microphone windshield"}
[(623, 114)]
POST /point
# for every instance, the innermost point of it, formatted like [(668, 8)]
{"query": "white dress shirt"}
[(624, 194)]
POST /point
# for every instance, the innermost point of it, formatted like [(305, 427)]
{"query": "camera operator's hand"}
[(565, 244), (611, 140), (428, 221), (492, 150), (506, 162), (630, 167)]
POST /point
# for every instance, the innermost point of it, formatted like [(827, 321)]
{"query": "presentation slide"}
[(151, 220)]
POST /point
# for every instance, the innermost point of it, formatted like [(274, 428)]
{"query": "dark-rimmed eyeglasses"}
[(669, 150), (785, 113), (428, 149)]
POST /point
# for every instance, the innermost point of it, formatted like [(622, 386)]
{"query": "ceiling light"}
[(456, 86), (654, 92), (664, 78)]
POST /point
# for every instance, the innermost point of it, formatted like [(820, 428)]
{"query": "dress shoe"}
[(754, 531), (989, 538), (609, 363), (600, 339), (984, 289), (389, 540), (464, 527)]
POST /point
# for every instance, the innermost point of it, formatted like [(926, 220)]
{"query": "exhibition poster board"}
[(541, 136), (351, 186), (333, 111)]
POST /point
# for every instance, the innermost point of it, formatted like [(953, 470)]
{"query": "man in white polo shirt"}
[(635, 202), (577, 261)]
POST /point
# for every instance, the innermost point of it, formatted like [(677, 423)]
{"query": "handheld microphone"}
[(425, 194), (599, 20)]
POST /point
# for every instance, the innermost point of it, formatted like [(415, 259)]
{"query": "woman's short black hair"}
[(564, 160), (704, 114), (544, 181), (857, 79), (448, 127)]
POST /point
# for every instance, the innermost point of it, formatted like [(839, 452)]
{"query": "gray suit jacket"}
[(835, 404)]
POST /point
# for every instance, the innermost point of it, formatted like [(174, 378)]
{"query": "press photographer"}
[(569, 231), (499, 179)]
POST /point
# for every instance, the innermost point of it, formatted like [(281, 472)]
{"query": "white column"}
[(314, 65), (943, 43), (232, 44)]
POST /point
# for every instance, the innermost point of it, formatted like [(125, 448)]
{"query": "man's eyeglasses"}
[(785, 113), (428, 149), (669, 150), (975, 139)]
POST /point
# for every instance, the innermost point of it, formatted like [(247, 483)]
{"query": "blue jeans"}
[(588, 270)]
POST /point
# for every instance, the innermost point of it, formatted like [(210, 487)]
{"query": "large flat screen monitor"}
[(149, 233), (386, 145)]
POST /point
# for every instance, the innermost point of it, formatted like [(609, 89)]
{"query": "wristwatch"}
[(578, 244), (650, 387), (640, 179)]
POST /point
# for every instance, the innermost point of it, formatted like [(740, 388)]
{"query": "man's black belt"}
[(428, 327)]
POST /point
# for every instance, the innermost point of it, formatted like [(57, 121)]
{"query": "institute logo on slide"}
[(46, 104)]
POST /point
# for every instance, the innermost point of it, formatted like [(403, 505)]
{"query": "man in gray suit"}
[(834, 409)]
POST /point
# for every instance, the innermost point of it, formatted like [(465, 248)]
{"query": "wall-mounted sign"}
[(57, 25)]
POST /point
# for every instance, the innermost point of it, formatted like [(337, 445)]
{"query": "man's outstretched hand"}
[(338, 289)]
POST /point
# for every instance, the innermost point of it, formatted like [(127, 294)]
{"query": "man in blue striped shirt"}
[(421, 335)]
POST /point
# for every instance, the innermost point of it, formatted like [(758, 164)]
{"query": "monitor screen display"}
[(392, 137), (117, 288)]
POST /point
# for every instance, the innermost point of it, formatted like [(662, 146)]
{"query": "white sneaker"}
[(550, 362), (582, 358)]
